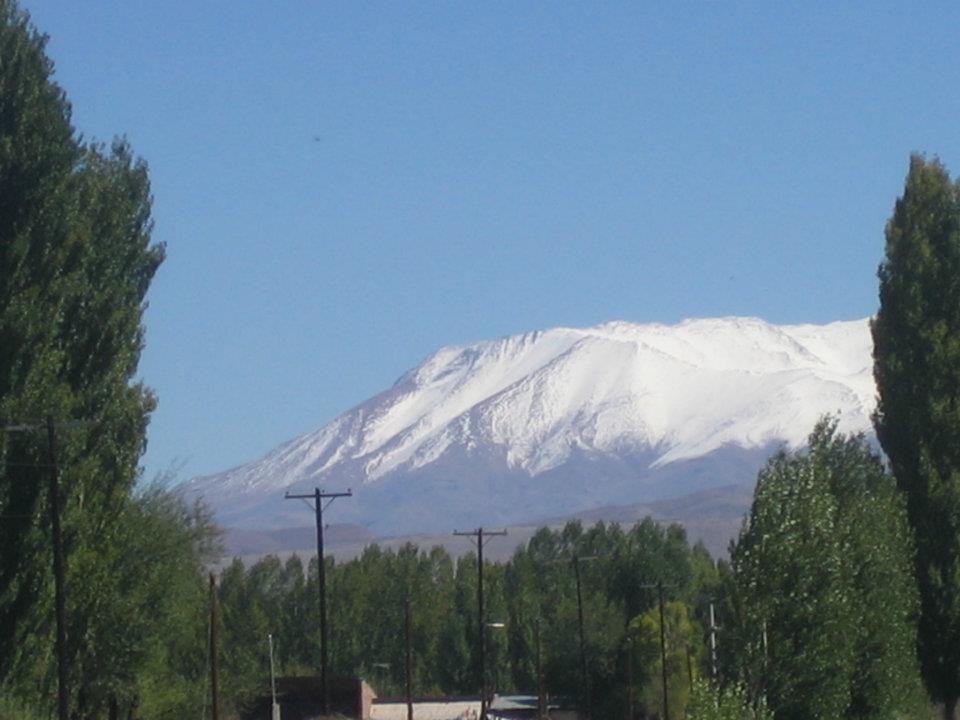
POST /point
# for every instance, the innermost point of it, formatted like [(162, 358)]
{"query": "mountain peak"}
[(519, 411)]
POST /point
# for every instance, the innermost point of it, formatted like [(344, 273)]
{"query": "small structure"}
[(502, 707), (427, 708), (524, 707), (301, 698)]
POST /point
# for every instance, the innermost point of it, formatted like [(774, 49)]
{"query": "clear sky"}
[(345, 187)]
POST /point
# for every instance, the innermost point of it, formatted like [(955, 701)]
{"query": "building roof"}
[(425, 709)]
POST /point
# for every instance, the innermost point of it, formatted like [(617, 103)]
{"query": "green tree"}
[(796, 632), (708, 702), (873, 525), (916, 336), (75, 265), (824, 595), (682, 644)]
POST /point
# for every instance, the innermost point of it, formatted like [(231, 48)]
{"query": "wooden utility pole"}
[(318, 497), (663, 653), (541, 693), (55, 501), (214, 649), (408, 665), (59, 576), (479, 535), (659, 585), (584, 682), (584, 679)]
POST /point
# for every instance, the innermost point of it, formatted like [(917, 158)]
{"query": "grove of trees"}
[(840, 600), (534, 591)]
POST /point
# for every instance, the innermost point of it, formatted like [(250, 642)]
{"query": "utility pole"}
[(478, 535), (629, 670), (663, 653), (55, 502), (318, 497), (584, 681), (541, 694), (59, 575), (407, 631), (214, 649), (663, 644)]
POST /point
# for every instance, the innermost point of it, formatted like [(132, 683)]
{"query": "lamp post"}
[(274, 708)]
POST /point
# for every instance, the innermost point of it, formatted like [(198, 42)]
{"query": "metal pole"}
[(214, 649), (409, 657), (273, 683), (59, 579), (663, 654), (713, 645)]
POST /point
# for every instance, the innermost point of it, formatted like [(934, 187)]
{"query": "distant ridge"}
[(564, 421)]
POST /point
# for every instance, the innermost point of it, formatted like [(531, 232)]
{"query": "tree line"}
[(840, 597)]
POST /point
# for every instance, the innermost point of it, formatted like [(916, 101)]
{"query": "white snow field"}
[(552, 422)]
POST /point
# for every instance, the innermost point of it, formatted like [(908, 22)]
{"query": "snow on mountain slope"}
[(524, 419)]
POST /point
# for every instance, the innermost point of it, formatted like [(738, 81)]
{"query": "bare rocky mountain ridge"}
[(589, 423)]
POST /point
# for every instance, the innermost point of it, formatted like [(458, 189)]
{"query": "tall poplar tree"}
[(916, 336), (75, 263), (826, 599)]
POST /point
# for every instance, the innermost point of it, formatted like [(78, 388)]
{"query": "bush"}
[(709, 702)]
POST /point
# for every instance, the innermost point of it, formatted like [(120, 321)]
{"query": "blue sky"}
[(345, 187)]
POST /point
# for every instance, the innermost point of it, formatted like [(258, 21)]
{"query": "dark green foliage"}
[(823, 600), (366, 603), (75, 265), (916, 338)]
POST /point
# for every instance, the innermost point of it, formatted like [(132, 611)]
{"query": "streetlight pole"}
[(274, 708), (318, 497)]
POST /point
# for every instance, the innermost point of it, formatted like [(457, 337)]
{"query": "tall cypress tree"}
[(916, 337), (75, 264)]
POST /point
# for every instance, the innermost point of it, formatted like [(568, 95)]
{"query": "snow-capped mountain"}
[(564, 420)]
